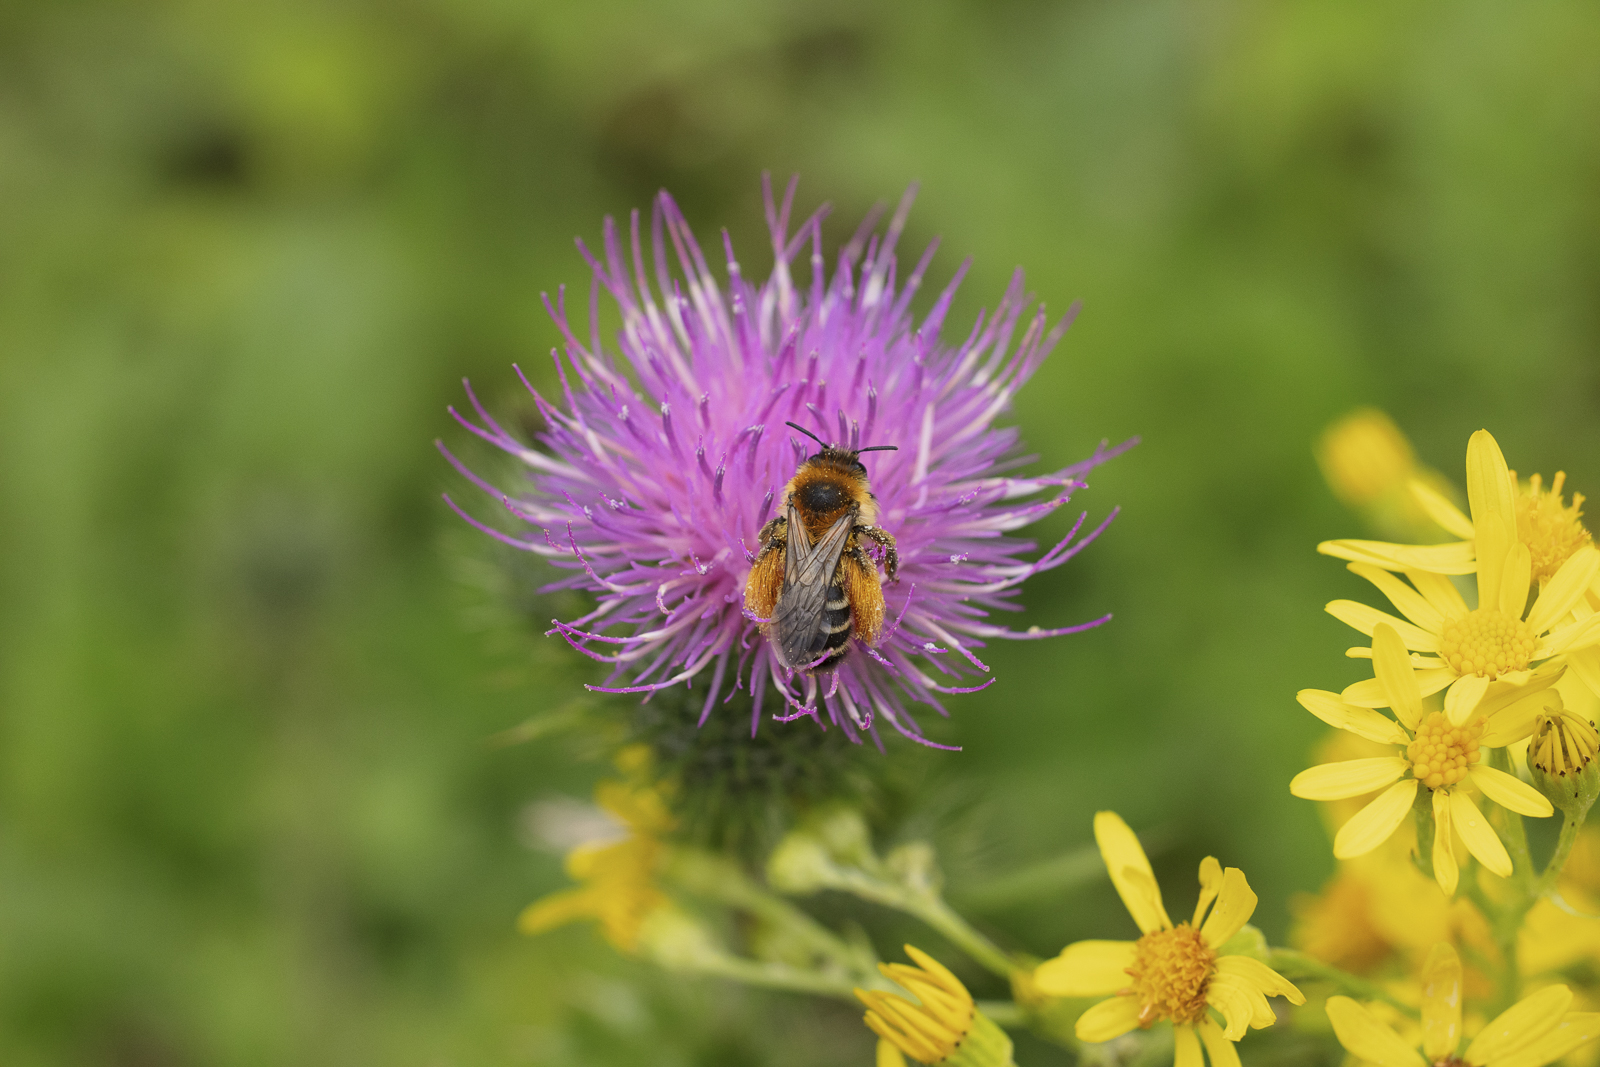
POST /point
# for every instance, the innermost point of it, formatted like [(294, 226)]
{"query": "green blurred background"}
[(251, 670)]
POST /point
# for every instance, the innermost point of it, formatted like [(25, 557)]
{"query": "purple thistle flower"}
[(659, 468)]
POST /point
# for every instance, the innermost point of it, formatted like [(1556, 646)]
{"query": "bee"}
[(813, 584)]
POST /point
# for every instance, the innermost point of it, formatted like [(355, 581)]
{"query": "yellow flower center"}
[(1170, 971), (1441, 754), (1487, 642), (1551, 530), (1563, 743)]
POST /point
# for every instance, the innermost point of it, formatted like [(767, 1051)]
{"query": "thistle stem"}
[(1292, 964)]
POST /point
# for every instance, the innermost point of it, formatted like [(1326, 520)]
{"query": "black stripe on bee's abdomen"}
[(834, 626)]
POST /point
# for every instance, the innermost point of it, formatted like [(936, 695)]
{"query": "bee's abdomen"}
[(834, 625)]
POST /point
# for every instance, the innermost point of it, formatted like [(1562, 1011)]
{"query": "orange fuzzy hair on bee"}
[(824, 488)]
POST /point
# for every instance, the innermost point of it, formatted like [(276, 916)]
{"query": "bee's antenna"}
[(808, 433), (879, 448)]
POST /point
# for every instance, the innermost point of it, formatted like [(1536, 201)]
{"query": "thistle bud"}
[(676, 941), (800, 864), (815, 855)]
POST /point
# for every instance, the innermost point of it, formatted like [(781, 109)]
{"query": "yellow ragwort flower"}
[(619, 876), (942, 1027), (1371, 467), (1365, 457), (1376, 908), (1434, 754), (1535, 1031), (1551, 529), (1173, 972), (1467, 649)]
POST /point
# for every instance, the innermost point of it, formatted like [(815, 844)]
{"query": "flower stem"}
[(717, 878), (1505, 921), (1292, 964), (776, 976), (1512, 831), (939, 915), (1003, 1012), (1570, 825), (927, 905)]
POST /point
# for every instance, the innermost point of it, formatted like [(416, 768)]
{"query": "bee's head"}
[(847, 457)]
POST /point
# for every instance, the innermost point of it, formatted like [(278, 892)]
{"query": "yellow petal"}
[(1347, 778), (1186, 1047), (1513, 724), (1585, 663), (1236, 902), (1237, 1003), (1564, 589), (1515, 703), (1364, 618), (1463, 696), (1125, 861), (1445, 871), (1514, 580), (1511, 792), (1441, 1002), (1412, 604), (1452, 558), (1108, 1019), (1369, 693), (1479, 836), (1574, 1029), (1086, 969), (1264, 978), (1363, 722), (889, 1056), (938, 972), (1440, 591), (1218, 1047), (558, 909), (1441, 510), (1583, 633), (1520, 1025), (896, 1030), (1210, 885), (1491, 495), (1364, 1036), (1492, 548), (1373, 824), (1392, 665)]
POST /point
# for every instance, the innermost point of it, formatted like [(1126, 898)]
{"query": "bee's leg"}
[(774, 531), (891, 562)]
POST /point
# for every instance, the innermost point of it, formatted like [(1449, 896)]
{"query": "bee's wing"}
[(807, 575), (798, 548)]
